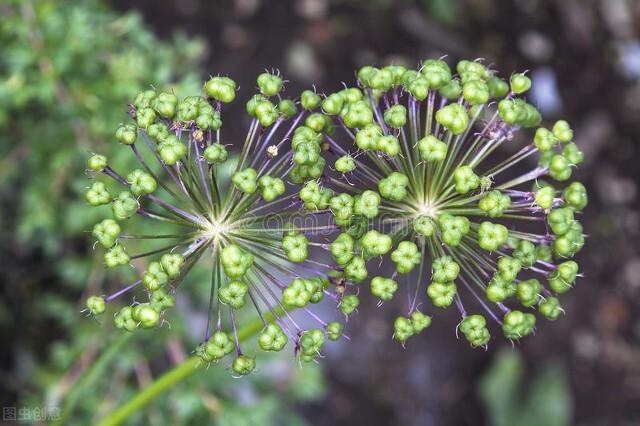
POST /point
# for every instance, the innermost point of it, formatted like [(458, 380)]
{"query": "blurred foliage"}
[(509, 399), (67, 72)]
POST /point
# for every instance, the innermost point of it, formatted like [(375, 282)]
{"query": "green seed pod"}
[(442, 294), (96, 305), (310, 100), (492, 236), (269, 84), (349, 303), (106, 232), (235, 261), (432, 149), (383, 288), (221, 89), (562, 131), (520, 83), (124, 206), (141, 183), (216, 153), (272, 338), (402, 329), (394, 186), (575, 196), (444, 269), (345, 164), (127, 134), (246, 180), (474, 328), (528, 292), (356, 269), (116, 256), (396, 116), (334, 330), (98, 194), (406, 256), (420, 321), (233, 294), (97, 162), (466, 180), (454, 117), (550, 308), (243, 365), (517, 324)]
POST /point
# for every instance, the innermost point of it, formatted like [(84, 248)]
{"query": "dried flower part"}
[(420, 183)]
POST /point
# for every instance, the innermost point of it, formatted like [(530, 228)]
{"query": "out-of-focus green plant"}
[(66, 70), (546, 401)]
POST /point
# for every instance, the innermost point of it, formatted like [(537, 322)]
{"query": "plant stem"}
[(177, 374)]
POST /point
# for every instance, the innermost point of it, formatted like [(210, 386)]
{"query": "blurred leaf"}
[(507, 400)]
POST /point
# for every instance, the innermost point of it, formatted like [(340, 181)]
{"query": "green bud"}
[(356, 269), (444, 269), (146, 315), (476, 92), (295, 247)]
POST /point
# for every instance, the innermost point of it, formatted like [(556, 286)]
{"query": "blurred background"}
[(67, 71)]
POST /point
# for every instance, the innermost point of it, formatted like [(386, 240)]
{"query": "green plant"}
[(421, 179), (205, 209)]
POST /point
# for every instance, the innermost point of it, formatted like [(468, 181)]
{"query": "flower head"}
[(202, 199), (422, 179)]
